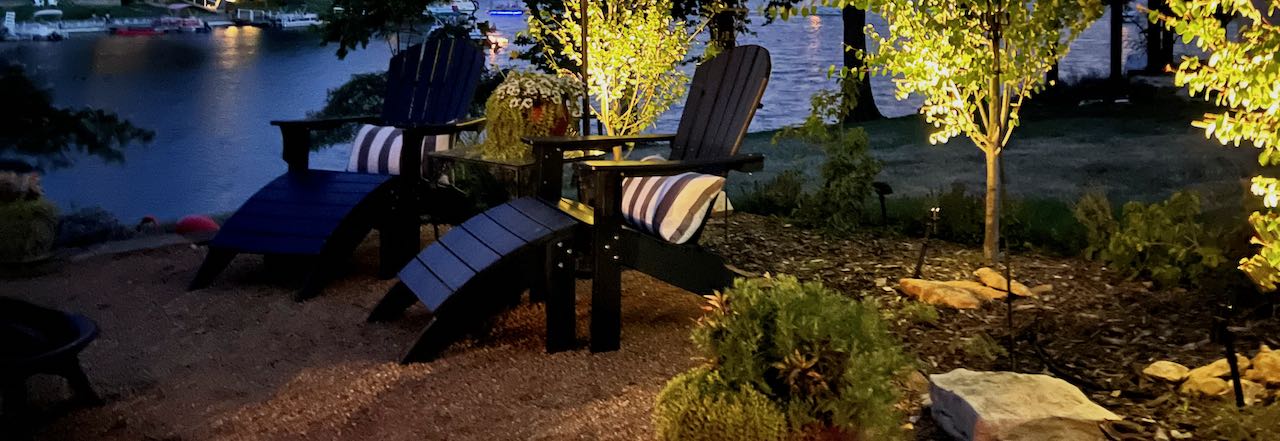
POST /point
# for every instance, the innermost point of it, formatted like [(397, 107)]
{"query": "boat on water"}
[(510, 9), (454, 8), (42, 27), (290, 20)]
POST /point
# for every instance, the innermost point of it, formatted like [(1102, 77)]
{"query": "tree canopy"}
[(34, 131)]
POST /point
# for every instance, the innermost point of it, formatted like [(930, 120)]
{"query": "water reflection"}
[(238, 45)]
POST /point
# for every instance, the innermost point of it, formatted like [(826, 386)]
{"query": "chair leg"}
[(400, 241), (559, 281), (216, 261), (606, 293), (79, 383), (439, 333), (393, 304)]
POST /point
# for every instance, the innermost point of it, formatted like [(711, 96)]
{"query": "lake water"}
[(209, 98)]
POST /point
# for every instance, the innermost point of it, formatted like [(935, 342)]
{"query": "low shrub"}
[(840, 200), (27, 229), (698, 405), (1045, 225), (1165, 241), (826, 360), (1225, 421), (88, 226), (780, 196)]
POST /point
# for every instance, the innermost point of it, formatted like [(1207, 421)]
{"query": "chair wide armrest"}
[(470, 125), (325, 123), (739, 163), (595, 142)]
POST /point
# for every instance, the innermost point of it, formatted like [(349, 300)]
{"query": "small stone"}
[(1219, 368), (1266, 367), (1204, 386), (1253, 391), (996, 280), (979, 290), (936, 293), (1167, 371), (1040, 290), (882, 281)]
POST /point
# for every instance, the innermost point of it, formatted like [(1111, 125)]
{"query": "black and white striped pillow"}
[(376, 149), (670, 207)]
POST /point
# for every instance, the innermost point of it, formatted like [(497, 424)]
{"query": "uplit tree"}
[(634, 51), (974, 62), (1241, 74)]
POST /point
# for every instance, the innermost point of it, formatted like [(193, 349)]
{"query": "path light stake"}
[(930, 225), (1222, 325), (882, 190), (1008, 271)]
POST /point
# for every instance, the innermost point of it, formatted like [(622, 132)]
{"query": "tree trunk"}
[(855, 20), (1159, 41), (724, 32), (1117, 43), (991, 238)]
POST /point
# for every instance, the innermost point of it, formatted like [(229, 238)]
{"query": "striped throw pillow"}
[(670, 207), (376, 149)]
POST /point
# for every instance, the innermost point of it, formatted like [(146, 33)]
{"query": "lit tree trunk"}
[(855, 22), (991, 232)]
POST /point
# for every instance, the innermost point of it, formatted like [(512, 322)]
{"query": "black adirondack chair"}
[(325, 214), (474, 268), (723, 98)]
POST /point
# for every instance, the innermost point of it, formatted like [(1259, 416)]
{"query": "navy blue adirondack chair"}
[(324, 214), (475, 267)]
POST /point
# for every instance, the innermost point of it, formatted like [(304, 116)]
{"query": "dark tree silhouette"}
[(35, 132)]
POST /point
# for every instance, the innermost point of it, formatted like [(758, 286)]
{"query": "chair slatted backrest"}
[(432, 82), (723, 97)]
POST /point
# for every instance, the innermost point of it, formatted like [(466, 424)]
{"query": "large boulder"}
[(938, 293), (1007, 406), (996, 280)]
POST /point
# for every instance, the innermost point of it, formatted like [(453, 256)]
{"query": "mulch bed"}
[(1094, 330)]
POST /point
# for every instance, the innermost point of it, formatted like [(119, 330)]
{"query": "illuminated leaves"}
[(633, 55), (1241, 74)]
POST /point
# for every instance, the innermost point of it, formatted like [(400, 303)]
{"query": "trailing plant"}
[(699, 406), (974, 62), (849, 169), (1240, 75), (826, 360), (635, 49), (528, 104), (19, 187), (28, 228), (1165, 241)]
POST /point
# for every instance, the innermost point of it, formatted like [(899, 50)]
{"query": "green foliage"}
[(527, 104), (1093, 211), (1165, 241), (849, 169), (1227, 422), (826, 360), (780, 195), (1242, 75), (1044, 225), (33, 130), (20, 187), (916, 312), (27, 229), (982, 347), (361, 95), (635, 49), (699, 406)]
